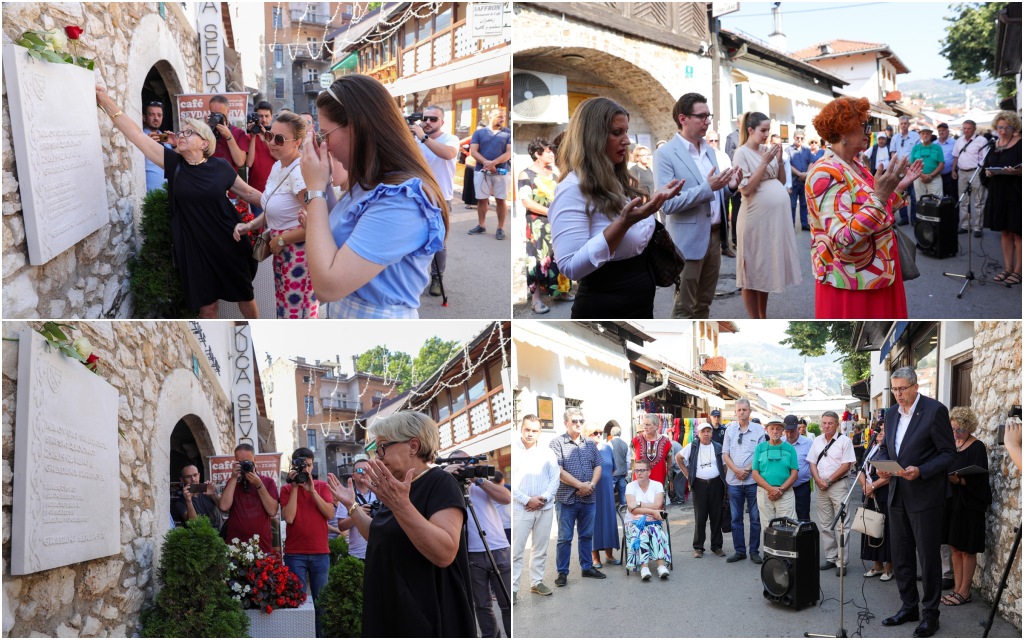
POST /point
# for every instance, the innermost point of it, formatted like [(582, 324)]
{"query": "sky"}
[(911, 29), (759, 332), (324, 340)]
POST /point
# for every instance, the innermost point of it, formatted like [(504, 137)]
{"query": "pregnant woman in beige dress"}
[(766, 258)]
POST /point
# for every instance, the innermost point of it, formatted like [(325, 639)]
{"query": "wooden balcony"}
[(445, 47), (491, 411)]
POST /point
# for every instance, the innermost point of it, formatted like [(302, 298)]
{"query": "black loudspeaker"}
[(790, 571), (936, 228)]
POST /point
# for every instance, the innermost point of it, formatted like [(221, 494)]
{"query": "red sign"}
[(221, 467), (197, 106)]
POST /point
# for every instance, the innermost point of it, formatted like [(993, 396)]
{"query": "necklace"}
[(964, 445), (196, 164)]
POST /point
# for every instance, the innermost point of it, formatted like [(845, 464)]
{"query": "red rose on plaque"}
[(73, 31)]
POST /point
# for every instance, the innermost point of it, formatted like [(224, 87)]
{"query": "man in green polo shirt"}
[(775, 468), (931, 155)]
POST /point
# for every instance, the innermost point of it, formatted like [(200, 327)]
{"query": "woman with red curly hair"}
[(853, 245)]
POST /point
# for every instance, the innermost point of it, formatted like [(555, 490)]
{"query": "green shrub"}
[(341, 601), (194, 601), (814, 428), (339, 549), (155, 283)]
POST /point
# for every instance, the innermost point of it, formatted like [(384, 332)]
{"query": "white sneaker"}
[(645, 573), (663, 572)]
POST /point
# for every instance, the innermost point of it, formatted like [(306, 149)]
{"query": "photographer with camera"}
[(232, 142), (417, 579), (307, 505), (193, 504), (483, 494), (258, 157), (440, 149), (367, 501), (153, 117), (250, 500)]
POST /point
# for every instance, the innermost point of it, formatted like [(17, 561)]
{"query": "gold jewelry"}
[(196, 164), (119, 113)]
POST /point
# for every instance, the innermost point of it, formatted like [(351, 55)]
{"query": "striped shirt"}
[(579, 457)]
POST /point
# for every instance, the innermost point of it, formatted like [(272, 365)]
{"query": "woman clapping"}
[(281, 204)]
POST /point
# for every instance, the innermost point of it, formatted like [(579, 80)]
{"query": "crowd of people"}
[(406, 518), (760, 469), (851, 188)]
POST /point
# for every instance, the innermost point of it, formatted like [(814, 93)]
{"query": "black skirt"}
[(618, 289)]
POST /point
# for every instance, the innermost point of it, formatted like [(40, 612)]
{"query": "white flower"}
[(83, 346), (256, 537), (57, 39), (234, 541)]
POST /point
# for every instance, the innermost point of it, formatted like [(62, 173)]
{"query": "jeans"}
[(620, 490), (800, 196), (912, 194), (316, 566), (534, 525), (738, 495), (484, 579), (581, 516), (802, 493)]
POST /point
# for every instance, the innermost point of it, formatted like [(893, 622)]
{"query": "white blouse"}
[(283, 205), (578, 239)]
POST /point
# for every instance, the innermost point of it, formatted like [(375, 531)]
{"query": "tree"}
[(811, 339), (381, 361), (970, 44), (433, 354)]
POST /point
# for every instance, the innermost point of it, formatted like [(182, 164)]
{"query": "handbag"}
[(261, 248), (663, 257), (869, 522), (908, 256)]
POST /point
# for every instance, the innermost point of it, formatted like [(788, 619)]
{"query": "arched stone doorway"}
[(155, 89), (189, 444)]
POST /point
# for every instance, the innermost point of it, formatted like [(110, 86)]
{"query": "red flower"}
[(269, 608), (73, 31)]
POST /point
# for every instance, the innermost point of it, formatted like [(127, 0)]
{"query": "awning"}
[(890, 341), (544, 337), (483, 443), (486, 64), (347, 63), (772, 86)]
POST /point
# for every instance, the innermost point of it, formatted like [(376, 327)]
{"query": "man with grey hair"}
[(919, 437), (580, 464), (741, 438), (830, 457), (969, 152)]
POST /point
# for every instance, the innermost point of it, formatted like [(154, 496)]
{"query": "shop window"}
[(311, 439)]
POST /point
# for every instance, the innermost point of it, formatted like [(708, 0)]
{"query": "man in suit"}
[(693, 217), (919, 437)]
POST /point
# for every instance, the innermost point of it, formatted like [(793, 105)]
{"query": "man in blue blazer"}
[(692, 217), (919, 437)]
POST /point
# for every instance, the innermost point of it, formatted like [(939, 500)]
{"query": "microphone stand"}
[(969, 276), (841, 518)]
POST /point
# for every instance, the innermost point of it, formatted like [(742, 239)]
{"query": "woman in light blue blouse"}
[(601, 219), (370, 258)]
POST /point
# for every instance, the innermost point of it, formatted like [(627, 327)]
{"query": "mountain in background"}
[(943, 92), (773, 362)]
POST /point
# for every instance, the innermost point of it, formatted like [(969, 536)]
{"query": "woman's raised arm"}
[(153, 150)]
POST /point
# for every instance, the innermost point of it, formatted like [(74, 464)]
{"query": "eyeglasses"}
[(903, 389), (700, 116), (713, 141), (577, 421), (800, 138), (774, 453), (322, 137), (277, 138), (1004, 127), (643, 470), (431, 118), (383, 446), (867, 127), (187, 133)]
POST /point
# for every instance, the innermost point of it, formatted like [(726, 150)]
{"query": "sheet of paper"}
[(887, 465)]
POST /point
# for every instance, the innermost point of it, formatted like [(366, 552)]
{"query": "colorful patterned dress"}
[(653, 543), (541, 270)]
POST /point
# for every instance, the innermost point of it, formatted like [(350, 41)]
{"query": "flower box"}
[(283, 623)]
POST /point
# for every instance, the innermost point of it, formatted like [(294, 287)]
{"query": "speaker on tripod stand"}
[(790, 572), (936, 228)]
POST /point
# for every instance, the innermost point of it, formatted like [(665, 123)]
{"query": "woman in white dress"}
[(766, 258)]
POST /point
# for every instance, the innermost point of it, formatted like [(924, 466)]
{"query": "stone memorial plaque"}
[(56, 133), (67, 497)]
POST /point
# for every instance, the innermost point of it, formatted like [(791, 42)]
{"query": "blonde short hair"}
[(405, 425), (202, 129), (1011, 119), (964, 417)]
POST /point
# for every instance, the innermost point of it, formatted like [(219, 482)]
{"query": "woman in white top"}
[(646, 499), (282, 200), (601, 220)]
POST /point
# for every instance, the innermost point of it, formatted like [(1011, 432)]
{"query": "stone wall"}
[(90, 280), (996, 384), (150, 365)]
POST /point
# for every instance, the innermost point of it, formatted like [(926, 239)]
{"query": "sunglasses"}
[(430, 118), (277, 138), (740, 440), (597, 433), (322, 137), (577, 421), (155, 103), (867, 127)]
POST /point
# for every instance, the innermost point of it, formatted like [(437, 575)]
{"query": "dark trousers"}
[(708, 496), (949, 186), (798, 196), (484, 581), (735, 203), (913, 206), (723, 230), (802, 495), (916, 537)]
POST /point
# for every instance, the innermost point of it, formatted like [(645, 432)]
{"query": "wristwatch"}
[(315, 194), (479, 482), (424, 138), (280, 241)]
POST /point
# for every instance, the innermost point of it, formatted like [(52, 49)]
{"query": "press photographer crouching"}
[(483, 493), (250, 500), (417, 579), (366, 500), (306, 506)]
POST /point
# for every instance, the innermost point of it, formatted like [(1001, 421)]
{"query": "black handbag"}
[(663, 257)]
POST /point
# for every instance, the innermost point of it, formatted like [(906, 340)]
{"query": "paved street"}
[(930, 296), (711, 598)]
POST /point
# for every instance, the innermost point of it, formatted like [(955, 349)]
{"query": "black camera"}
[(246, 466), (471, 469), (299, 467), (214, 120), (374, 506), (413, 118), (252, 124)]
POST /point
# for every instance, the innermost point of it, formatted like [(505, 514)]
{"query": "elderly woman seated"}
[(646, 541)]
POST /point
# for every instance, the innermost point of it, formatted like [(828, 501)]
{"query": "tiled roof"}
[(715, 364), (837, 46)]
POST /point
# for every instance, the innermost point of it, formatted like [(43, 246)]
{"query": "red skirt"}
[(889, 303)]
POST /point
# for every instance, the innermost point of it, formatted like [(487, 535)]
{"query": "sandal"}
[(1013, 278), (954, 599), (1002, 276)]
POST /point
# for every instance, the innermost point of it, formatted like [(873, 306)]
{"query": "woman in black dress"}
[(417, 581), (876, 489), (1002, 206), (211, 263), (965, 523)]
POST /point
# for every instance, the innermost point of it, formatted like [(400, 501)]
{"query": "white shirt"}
[(282, 206), (702, 158), (902, 145), (356, 542), (838, 454), (443, 170), (578, 238), (901, 426), (649, 496), (706, 467), (969, 153), (489, 519), (535, 472)]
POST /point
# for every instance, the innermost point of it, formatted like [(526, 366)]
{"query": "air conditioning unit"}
[(539, 97)]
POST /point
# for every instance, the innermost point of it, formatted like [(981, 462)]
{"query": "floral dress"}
[(653, 542), (541, 270)]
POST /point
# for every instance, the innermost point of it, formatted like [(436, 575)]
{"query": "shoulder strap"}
[(825, 450)]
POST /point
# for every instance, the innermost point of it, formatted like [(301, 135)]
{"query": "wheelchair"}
[(626, 540)]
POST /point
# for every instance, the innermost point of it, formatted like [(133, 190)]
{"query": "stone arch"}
[(152, 45)]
